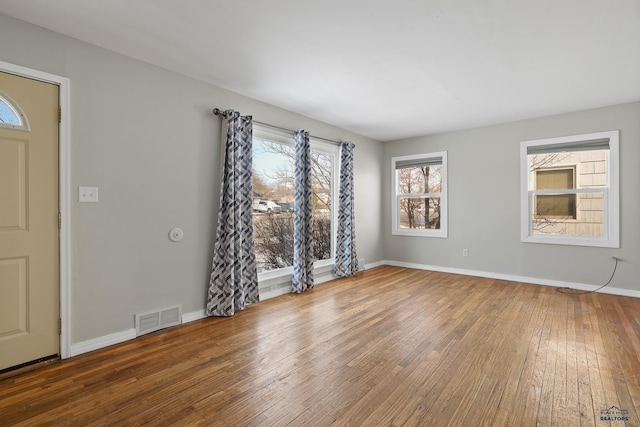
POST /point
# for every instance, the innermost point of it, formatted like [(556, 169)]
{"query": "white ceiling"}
[(387, 69)]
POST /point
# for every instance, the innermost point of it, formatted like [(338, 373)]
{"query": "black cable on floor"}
[(578, 292)]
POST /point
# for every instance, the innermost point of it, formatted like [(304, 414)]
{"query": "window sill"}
[(572, 241), (283, 275), (442, 234)]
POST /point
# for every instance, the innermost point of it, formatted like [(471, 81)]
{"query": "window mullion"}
[(590, 190), (420, 195)]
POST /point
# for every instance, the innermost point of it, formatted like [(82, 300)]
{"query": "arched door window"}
[(11, 115)]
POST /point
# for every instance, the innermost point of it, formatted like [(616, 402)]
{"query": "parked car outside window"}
[(266, 206), (286, 207)]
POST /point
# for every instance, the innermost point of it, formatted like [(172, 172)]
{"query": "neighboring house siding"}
[(590, 171)]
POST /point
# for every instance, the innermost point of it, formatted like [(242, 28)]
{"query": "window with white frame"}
[(419, 199), (273, 199), (570, 192)]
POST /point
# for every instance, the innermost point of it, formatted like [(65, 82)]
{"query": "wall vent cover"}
[(156, 320)]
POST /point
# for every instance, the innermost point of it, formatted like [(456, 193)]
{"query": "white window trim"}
[(395, 197), (333, 150), (611, 192)]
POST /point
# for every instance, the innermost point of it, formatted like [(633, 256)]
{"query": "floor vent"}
[(156, 320)]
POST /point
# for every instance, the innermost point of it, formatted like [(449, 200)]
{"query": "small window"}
[(570, 190), (11, 115), (420, 195)]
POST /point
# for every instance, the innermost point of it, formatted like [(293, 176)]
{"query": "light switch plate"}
[(88, 194)]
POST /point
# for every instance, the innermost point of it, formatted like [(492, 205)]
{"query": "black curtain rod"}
[(219, 112)]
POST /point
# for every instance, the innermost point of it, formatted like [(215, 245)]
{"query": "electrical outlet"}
[(88, 194), (465, 252)]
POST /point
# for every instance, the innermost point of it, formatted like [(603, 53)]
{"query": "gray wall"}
[(146, 137), (484, 202)]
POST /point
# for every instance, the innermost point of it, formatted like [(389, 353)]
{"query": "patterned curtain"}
[(346, 257), (303, 217), (234, 278)]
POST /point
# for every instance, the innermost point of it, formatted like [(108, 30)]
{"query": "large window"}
[(420, 195), (570, 190), (273, 199)]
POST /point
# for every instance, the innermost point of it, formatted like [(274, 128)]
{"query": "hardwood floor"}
[(389, 347)]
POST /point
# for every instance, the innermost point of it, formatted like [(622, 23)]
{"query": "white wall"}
[(484, 202), (147, 138)]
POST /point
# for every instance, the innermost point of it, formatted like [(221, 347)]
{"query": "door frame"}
[(64, 191)]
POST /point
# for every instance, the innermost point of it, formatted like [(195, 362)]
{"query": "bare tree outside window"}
[(273, 180), (419, 203), (418, 210)]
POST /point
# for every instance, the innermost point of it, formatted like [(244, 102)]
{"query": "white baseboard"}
[(194, 315), (118, 337), (275, 292), (101, 342), (283, 288), (375, 264), (324, 279), (515, 278)]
